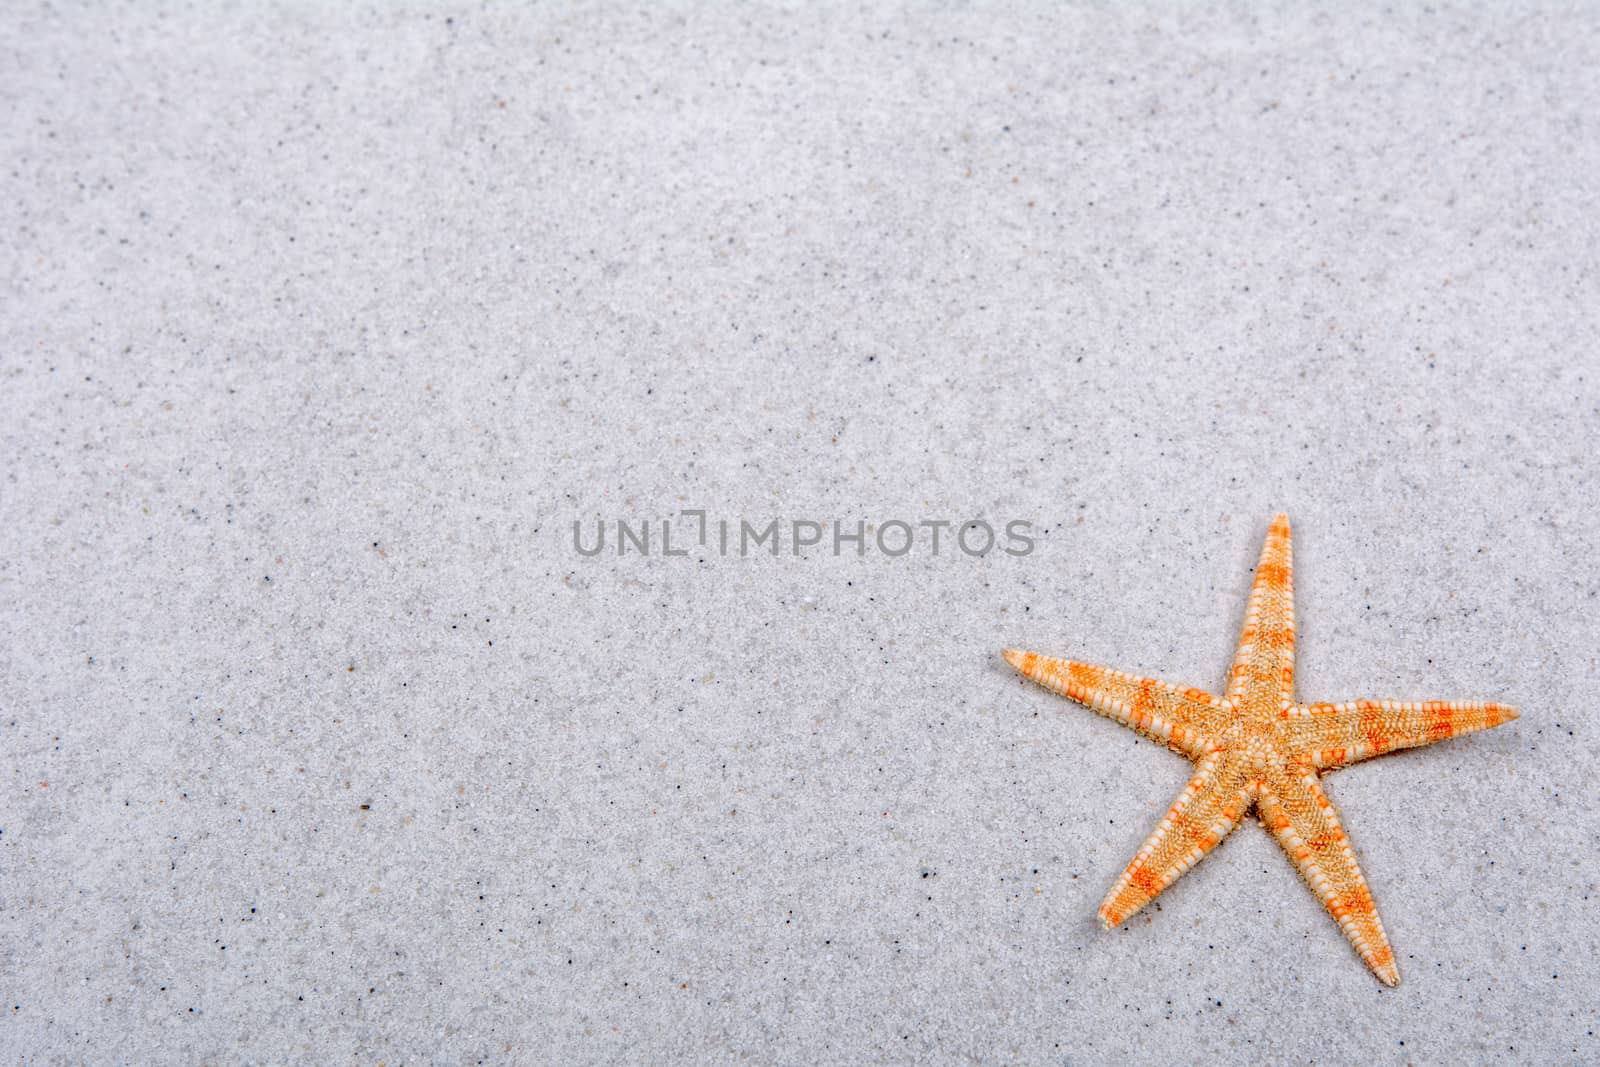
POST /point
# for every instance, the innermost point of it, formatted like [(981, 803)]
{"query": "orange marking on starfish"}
[(1147, 882), (1272, 573), (1256, 748), (1278, 640)]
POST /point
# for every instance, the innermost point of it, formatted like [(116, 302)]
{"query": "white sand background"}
[(321, 326)]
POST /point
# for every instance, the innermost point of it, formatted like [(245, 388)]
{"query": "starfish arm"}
[(1264, 662), (1299, 814), (1337, 735), (1209, 807), (1182, 719)]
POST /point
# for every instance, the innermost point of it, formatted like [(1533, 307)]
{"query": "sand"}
[(320, 329)]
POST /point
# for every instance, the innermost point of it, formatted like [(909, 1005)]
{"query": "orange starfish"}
[(1257, 747)]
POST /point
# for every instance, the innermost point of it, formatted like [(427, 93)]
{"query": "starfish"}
[(1256, 747)]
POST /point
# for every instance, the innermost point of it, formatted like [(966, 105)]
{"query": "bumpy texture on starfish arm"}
[(1182, 719), (1300, 815), (1337, 735), (1255, 747), (1210, 806)]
